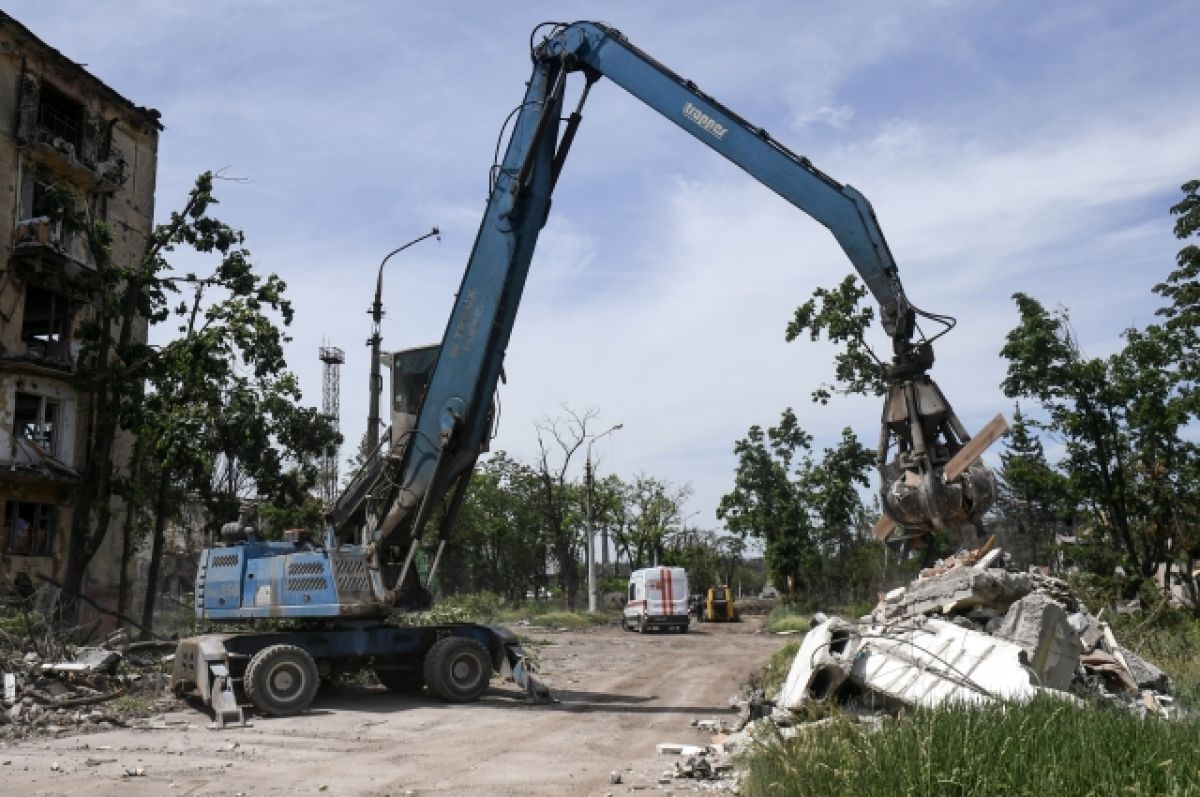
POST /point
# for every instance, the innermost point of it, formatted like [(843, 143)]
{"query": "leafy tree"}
[(807, 511), (498, 544), (112, 364), (830, 487), (837, 314), (652, 513), (1031, 491), (221, 390), (767, 504), (1123, 419), (222, 418), (695, 550)]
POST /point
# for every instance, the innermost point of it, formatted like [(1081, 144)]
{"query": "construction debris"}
[(970, 631), (73, 694)]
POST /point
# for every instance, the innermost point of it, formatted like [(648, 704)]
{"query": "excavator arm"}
[(422, 464)]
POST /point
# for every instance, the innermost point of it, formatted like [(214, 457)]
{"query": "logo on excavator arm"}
[(704, 120)]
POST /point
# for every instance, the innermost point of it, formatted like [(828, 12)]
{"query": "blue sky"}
[(1005, 146)]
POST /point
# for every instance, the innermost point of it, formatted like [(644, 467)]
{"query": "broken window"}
[(60, 118), (49, 212), (36, 419), (31, 528), (46, 325)]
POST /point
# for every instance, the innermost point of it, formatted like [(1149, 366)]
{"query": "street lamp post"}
[(376, 338), (591, 542)]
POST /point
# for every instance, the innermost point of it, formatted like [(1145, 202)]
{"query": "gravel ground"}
[(620, 694)]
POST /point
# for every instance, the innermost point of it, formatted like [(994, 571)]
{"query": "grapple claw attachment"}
[(918, 491)]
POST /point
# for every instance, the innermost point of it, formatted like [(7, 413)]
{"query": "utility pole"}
[(376, 338), (589, 476)]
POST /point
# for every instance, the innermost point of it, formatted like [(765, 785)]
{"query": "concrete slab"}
[(932, 662), (821, 665), (1041, 627)]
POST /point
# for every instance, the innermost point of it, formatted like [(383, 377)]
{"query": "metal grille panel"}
[(305, 568), (309, 584), (224, 560)]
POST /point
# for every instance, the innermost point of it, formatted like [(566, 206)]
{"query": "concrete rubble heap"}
[(49, 697), (971, 631)]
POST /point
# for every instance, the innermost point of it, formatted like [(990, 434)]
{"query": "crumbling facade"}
[(73, 153)]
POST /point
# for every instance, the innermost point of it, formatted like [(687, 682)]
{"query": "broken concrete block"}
[(936, 661), (1146, 674), (671, 748), (1040, 626), (821, 665), (956, 591)]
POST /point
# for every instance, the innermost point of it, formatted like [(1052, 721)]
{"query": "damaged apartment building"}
[(71, 148)]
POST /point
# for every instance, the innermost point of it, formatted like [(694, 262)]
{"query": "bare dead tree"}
[(559, 439)]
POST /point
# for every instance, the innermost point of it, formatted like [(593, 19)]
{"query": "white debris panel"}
[(970, 631)]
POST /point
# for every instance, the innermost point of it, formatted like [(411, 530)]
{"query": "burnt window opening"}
[(31, 528), (36, 419), (41, 199), (60, 116), (51, 200), (46, 325)]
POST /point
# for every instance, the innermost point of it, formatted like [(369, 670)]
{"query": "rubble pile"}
[(80, 693), (969, 630)]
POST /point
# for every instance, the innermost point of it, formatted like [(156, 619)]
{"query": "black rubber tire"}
[(281, 680), (683, 629), (458, 669), (402, 682)]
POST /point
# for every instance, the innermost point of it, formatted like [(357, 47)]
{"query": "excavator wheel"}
[(281, 680), (458, 669)]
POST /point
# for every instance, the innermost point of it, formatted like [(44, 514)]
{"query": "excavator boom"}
[(434, 451)]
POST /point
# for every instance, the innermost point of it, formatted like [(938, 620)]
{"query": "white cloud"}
[(835, 116)]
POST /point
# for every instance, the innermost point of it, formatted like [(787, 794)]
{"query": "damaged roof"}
[(149, 115)]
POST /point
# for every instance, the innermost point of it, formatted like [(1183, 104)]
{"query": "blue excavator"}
[(337, 593)]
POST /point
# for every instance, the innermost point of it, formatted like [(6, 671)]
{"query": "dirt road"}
[(620, 694)]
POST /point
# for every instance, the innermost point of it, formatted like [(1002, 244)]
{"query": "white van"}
[(658, 598)]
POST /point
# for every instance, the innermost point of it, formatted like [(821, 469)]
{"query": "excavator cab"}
[(411, 369)]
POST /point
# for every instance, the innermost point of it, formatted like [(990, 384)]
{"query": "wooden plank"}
[(967, 455)]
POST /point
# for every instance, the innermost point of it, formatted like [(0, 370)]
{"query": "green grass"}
[(570, 620), (778, 666), (489, 609), (787, 618), (1045, 749)]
